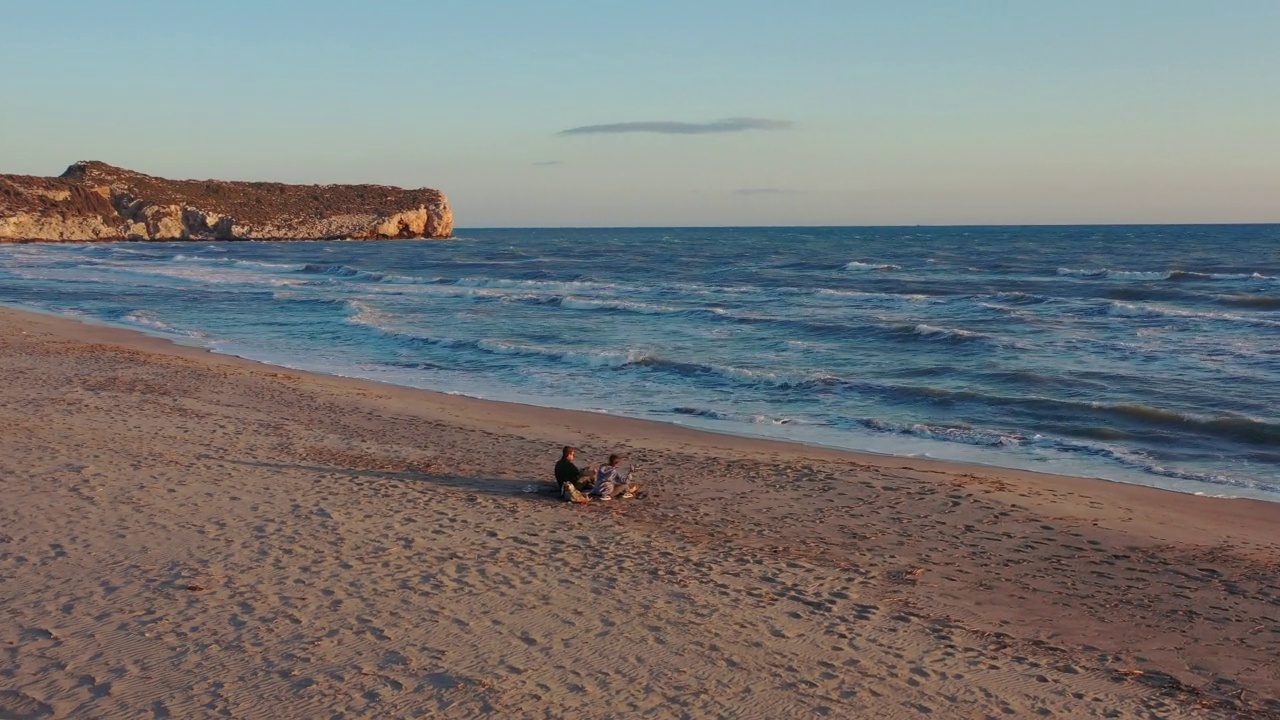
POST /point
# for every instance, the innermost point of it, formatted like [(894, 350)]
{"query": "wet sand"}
[(186, 535)]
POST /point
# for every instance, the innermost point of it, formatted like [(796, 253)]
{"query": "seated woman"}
[(610, 481)]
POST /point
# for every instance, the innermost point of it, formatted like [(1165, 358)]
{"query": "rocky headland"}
[(96, 202)]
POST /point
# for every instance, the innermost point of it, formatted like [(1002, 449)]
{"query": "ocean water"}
[(1139, 354)]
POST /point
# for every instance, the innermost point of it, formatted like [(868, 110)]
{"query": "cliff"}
[(93, 201)]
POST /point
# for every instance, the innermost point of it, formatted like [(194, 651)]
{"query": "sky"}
[(667, 113)]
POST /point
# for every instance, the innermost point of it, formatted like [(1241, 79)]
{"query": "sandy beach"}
[(188, 535)]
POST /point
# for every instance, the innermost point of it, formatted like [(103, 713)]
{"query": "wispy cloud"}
[(547, 163), (746, 192), (672, 127)]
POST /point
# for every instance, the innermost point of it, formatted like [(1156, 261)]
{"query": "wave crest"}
[(147, 319), (1174, 275), (1260, 302), (934, 332), (1120, 309), (866, 267)]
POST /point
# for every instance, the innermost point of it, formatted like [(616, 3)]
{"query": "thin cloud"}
[(747, 192), (546, 163), (672, 127)]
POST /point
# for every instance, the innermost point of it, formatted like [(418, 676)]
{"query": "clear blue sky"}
[(839, 112)]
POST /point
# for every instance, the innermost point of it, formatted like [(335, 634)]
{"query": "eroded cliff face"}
[(93, 201)]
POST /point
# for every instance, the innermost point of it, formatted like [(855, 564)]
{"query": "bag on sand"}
[(572, 495)]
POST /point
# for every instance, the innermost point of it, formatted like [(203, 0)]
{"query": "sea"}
[(1138, 354)]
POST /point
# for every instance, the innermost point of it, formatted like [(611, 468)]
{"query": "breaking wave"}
[(1258, 302), (862, 267), (1120, 309), (752, 419), (148, 320), (941, 333), (1176, 275)]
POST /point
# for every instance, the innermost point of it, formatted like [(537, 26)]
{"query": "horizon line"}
[(1241, 223)]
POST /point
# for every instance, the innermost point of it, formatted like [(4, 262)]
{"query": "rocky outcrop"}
[(93, 201)]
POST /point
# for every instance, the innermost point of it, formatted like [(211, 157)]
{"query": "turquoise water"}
[(1139, 354)]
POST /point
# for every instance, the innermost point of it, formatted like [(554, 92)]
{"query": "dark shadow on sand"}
[(543, 489)]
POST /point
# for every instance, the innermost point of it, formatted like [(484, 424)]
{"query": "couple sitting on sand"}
[(604, 483)]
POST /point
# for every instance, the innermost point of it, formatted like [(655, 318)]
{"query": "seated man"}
[(609, 480), (570, 479)]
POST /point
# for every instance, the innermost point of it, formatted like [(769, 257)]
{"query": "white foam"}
[(1135, 275), (934, 331), (216, 275), (604, 358), (444, 291), (577, 303), (589, 358), (365, 314), (1147, 275), (266, 265), (553, 285), (861, 266), (1122, 309), (147, 319), (897, 297), (748, 374)]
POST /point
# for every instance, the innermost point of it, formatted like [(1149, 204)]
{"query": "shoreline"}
[(869, 455), (187, 533)]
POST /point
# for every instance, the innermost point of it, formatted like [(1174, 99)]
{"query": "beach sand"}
[(187, 535)]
